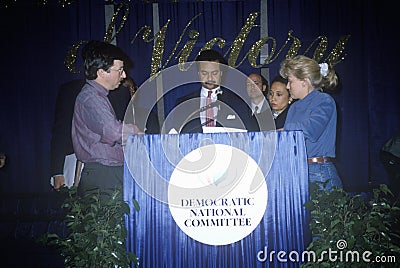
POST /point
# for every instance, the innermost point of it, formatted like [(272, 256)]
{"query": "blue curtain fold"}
[(38, 38), (366, 101), (158, 241)]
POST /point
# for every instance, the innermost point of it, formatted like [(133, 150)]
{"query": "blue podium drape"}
[(156, 239)]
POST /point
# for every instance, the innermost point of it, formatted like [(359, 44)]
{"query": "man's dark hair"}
[(211, 55), (100, 55)]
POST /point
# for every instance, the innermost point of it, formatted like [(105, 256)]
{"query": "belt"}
[(322, 159)]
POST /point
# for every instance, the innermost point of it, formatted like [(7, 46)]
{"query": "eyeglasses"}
[(121, 70)]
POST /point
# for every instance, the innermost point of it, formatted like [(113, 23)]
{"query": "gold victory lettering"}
[(240, 39), (335, 56), (252, 55), (111, 27), (187, 49), (70, 58), (158, 47)]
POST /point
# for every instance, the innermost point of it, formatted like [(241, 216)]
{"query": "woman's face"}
[(298, 88), (278, 97)]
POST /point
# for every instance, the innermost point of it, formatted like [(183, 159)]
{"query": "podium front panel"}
[(155, 237)]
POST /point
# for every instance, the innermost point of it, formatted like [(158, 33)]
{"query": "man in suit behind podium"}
[(225, 108), (260, 116)]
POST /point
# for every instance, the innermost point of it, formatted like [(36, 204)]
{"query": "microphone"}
[(208, 121), (211, 105), (205, 107), (201, 109), (201, 125)]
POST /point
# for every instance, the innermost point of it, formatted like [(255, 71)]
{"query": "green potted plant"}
[(352, 231), (97, 234)]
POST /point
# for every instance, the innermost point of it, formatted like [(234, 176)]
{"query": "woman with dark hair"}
[(279, 100)]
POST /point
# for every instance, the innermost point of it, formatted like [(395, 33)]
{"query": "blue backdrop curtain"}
[(36, 38), (35, 41), (367, 111)]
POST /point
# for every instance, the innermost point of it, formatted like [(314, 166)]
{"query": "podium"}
[(158, 241)]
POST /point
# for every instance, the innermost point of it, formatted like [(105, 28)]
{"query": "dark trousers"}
[(98, 178)]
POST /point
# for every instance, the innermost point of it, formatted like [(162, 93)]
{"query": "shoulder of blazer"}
[(265, 106), (193, 94), (231, 98)]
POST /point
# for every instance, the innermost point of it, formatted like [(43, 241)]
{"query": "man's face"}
[(210, 74), (114, 75), (255, 87)]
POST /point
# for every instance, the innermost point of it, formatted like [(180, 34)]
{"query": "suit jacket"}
[(61, 140), (265, 107), (262, 121), (281, 118), (146, 120), (186, 114)]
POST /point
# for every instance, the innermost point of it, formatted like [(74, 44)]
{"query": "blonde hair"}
[(303, 67)]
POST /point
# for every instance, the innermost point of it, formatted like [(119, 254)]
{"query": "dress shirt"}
[(203, 97), (260, 105), (96, 132), (316, 116)]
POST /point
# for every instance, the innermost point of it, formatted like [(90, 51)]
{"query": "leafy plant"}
[(97, 234), (349, 225)]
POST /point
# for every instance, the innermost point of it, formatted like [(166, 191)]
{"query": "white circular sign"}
[(217, 194)]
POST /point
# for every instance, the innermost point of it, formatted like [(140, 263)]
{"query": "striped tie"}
[(209, 111)]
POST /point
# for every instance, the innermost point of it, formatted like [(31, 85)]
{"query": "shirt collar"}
[(99, 88), (204, 91), (260, 105)]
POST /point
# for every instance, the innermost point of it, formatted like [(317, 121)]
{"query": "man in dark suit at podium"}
[(211, 105)]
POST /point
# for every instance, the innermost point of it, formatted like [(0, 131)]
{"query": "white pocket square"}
[(231, 116)]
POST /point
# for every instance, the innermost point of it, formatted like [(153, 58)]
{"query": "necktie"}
[(256, 110), (209, 111)]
